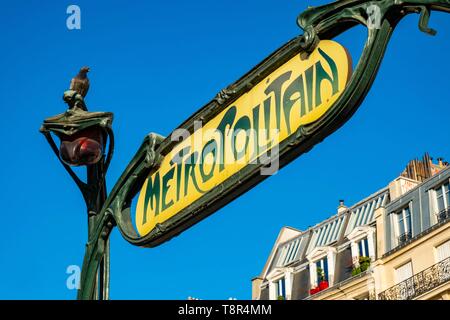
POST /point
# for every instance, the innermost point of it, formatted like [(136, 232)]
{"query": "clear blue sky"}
[(153, 64)]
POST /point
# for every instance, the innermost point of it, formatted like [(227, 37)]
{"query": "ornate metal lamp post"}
[(83, 139)]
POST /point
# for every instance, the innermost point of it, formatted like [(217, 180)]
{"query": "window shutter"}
[(404, 272), (443, 251)]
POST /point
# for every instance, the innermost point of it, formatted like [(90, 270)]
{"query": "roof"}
[(336, 228), (363, 213)]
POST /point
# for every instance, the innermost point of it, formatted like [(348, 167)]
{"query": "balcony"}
[(420, 283), (404, 237), (443, 215)]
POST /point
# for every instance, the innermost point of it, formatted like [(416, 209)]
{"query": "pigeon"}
[(80, 83)]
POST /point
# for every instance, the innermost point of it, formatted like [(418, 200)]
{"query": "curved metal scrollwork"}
[(420, 283)]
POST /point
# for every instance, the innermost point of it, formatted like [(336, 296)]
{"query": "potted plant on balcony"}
[(314, 290), (363, 265), (323, 283), (356, 271)]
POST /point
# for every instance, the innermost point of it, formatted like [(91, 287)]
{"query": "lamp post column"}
[(83, 138)]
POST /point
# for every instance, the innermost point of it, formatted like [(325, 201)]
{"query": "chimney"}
[(342, 207)]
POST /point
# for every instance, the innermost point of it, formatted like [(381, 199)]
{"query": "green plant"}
[(281, 298), (320, 274), (364, 264), (356, 271)]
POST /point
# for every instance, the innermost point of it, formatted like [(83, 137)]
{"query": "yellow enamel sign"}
[(299, 92)]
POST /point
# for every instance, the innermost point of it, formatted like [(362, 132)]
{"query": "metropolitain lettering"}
[(239, 135)]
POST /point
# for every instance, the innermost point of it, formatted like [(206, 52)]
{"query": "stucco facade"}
[(395, 244)]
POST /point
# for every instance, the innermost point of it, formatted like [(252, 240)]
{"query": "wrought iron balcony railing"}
[(420, 283), (443, 215), (404, 237)]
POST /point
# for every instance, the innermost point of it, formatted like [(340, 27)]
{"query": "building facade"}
[(394, 244)]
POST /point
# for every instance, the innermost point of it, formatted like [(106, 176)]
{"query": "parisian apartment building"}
[(392, 245)]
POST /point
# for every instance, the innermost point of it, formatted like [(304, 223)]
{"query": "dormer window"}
[(280, 283), (322, 261), (362, 242)]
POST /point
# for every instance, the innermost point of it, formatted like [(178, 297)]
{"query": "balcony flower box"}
[(362, 265), (314, 290), (323, 285)]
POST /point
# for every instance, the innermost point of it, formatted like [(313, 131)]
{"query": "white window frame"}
[(318, 254), (358, 234), (445, 198), (275, 276), (322, 266), (280, 286), (397, 222), (410, 292), (397, 280), (440, 245)]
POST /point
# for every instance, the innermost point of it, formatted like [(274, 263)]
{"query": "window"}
[(442, 203), (443, 251), (280, 285), (442, 197), (403, 272), (404, 225), (363, 248), (280, 288), (322, 270)]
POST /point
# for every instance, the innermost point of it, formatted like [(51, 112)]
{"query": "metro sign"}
[(223, 153)]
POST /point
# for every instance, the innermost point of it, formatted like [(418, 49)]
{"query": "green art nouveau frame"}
[(324, 22)]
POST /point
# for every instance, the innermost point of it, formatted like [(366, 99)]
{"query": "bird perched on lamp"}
[(80, 83), (79, 87)]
